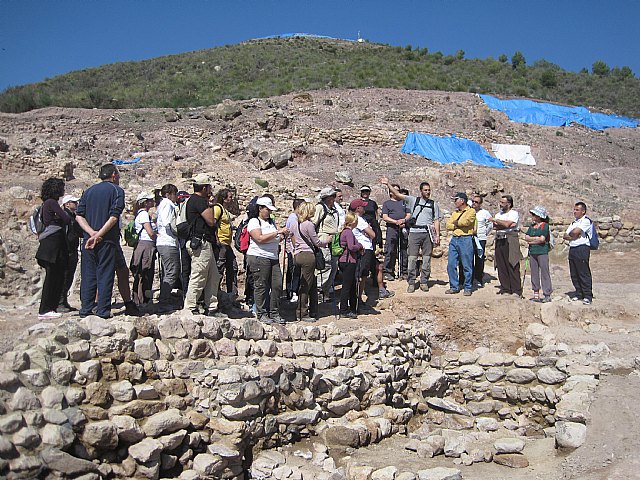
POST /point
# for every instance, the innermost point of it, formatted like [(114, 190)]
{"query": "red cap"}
[(358, 202)]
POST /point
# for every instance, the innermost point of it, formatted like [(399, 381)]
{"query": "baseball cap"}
[(266, 202), (144, 196), (461, 195), (358, 202), (327, 192), (69, 198), (202, 179)]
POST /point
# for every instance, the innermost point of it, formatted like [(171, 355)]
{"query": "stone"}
[(57, 436), (145, 392), (486, 424), (344, 177), (171, 327), (386, 473), (433, 382), (551, 376), (165, 422), (74, 396), (267, 347), (101, 434), (27, 437), (11, 422), (455, 445), (24, 399), (298, 417), (59, 461), (509, 445), (520, 375), (537, 336), (79, 351), (252, 329), (470, 371), (89, 370), (439, 473), (148, 450), (8, 380), (207, 464), (570, 435), (226, 347), (98, 394), (448, 406), (98, 327), (339, 435), (241, 413), (173, 440), (494, 374), (35, 377), (62, 371), (146, 348), (512, 460), (122, 391), (127, 428), (308, 349), (341, 407), (56, 417)]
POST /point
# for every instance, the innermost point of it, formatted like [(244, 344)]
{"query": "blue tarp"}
[(448, 149), (528, 111), (126, 162)]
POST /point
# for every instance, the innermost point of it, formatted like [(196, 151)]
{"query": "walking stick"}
[(335, 306), (524, 274)]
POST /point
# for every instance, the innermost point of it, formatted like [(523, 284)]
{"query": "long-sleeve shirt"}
[(53, 214), (351, 246), (308, 229), (466, 222)]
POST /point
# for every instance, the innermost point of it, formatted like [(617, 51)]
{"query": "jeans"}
[(395, 243), (460, 250), (97, 268), (580, 271), (267, 282), (419, 241), (308, 293), (170, 258)]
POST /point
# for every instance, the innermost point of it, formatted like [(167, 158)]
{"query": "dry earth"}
[(361, 132)]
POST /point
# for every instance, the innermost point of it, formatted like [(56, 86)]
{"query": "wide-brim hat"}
[(327, 192), (540, 211), (144, 196)]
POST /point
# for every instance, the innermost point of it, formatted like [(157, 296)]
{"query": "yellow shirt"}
[(466, 222), (223, 220)]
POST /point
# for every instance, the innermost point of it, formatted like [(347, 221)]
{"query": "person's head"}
[(425, 190), (144, 201), (539, 214), (365, 192), (224, 197), (404, 191), (296, 204), (579, 210), (70, 202), (476, 202), (202, 185), (305, 211), (265, 207), (350, 220), (460, 200), (506, 203), (52, 188), (109, 173), (182, 196), (169, 191), (391, 194), (339, 195), (328, 196), (357, 206)]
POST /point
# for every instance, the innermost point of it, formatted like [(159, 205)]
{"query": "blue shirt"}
[(98, 203)]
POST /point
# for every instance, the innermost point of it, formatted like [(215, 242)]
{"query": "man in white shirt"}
[(507, 251), (483, 228), (338, 205), (579, 254)]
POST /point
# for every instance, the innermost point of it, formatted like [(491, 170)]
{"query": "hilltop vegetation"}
[(270, 67)]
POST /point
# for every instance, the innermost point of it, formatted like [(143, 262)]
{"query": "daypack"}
[(241, 237), (325, 211), (36, 224), (131, 236), (592, 235), (183, 229), (336, 248)]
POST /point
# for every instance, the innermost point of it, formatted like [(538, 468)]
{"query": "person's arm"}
[(260, 237), (352, 244), (573, 234), (369, 232), (466, 218), (390, 220), (207, 216), (96, 237), (310, 232), (451, 225), (59, 211), (392, 189)]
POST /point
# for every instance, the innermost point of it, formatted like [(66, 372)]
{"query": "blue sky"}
[(45, 38)]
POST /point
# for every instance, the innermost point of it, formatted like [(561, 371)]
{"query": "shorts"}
[(366, 262), (120, 261)]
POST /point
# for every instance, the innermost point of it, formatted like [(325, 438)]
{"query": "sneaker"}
[(348, 315), (575, 298), (411, 288), (389, 277), (266, 320), (308, 318), (451, 291), (586, 301), (535, 299), (131, 309), (294, 298), (467, 293), (384, 293), (424, 287), (49, 315), (545, 299), (65, 307), (278, 319)]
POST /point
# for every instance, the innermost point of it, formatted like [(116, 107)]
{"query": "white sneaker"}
[(49, 315), (294, 298)]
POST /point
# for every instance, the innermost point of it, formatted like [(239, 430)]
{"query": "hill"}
[(277, 66)]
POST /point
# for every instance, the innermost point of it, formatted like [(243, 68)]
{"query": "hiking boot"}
[(411, 288), (278, 319), (467, 293), (348, 315), (384, 293), (389, 277), (545, 299), (451, 291), (424, 287), (308, 318), (266, 320), (131, 309)]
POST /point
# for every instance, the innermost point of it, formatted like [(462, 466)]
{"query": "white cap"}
[(69, 198), (265, 202), (145, 196)]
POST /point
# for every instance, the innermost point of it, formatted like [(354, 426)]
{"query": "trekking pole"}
[(335, 305), (283, 291), (524, 274), (399, 253)]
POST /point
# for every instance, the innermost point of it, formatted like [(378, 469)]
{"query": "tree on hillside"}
[(460, 54), (600, 68), (518, 61), (503, 58)]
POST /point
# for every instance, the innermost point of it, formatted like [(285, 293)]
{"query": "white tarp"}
[(513, 153)]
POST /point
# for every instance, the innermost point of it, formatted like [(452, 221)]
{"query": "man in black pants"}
[(394, 213), (73, 234), (579, 253)]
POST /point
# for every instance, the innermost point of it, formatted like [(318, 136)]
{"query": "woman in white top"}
[(263, 261), (142, 260), (167, 245)]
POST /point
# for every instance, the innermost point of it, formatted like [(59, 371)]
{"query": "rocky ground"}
[(312, 136)]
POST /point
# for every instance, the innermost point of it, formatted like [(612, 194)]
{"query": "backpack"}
[(241, 237), (336, 248), (325, 211), (131, 236), (592, 235), (36, 224), (413, 219), (183, 229)]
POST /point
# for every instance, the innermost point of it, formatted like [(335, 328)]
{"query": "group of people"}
[(192, 234)]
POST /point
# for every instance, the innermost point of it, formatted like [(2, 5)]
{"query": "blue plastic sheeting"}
[(448, 150), (126, 162), (528, 111)]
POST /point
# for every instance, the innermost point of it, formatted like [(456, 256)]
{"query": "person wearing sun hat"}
[(143, 259), (73, 233), (538, 237)]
